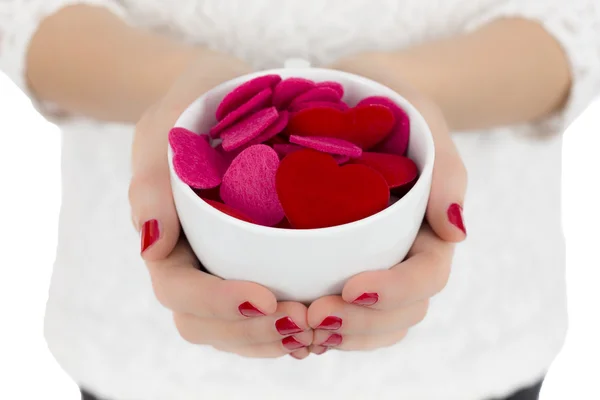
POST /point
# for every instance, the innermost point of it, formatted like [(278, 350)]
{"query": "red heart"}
[(317, 193), (364, 125), (397, 170), (232, 212)]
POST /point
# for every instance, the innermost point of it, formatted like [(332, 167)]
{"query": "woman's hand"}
[(233, 316), (376, 308)]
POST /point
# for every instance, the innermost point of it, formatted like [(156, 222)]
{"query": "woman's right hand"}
[(234, 316)]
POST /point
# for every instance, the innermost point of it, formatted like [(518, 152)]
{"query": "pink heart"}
[(397, 141), (273, 130), (249, 185), (340, 105), (333, 85), (283, 149), (324, 94), (195, 162), (261, 100), (244, 92), (328, 145), (288, 89), (248, 128)]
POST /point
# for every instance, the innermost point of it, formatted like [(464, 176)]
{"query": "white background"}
[(29, 206)]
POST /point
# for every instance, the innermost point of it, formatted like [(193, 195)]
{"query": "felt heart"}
[(397, 170), (249, 185), (232, 212), (364, 125), (261, 100), (195, 162), (209, 194), (328, 145), (333, 85), (317, 94), (288, 89), (243, 93), (340, 159), (340, 105), (317, 193), (284, 224), (248, 128), (397, 141), (273, 130), (283, 149)]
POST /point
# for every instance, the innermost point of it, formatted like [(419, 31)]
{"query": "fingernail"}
[(366, 299), (150, 234), (291, 343), (285, 326), (333, 340), (248, 310), (331, 323), (320, 350), (455, 217)]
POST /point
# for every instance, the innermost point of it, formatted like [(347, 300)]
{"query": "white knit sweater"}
[(498, 324)]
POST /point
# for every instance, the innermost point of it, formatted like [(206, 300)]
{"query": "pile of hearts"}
[(290, 153)]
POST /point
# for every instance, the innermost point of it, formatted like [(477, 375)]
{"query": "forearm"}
[(90, 62), (510, 71)]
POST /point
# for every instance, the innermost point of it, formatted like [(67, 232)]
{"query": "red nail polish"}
[(366, 299), (150, 234), (331, 323), (455, 217), (291, 343), (285, 326), (248, 310), (333, 340)]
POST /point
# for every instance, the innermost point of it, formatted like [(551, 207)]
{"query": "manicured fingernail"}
[(333, 340), (331, 323), (285, 326), (248, 310), (150, 234), (455, 216), (366, 299), (291, 343)]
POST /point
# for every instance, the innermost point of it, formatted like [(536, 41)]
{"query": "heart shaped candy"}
[(364, 125), (243, 93), (288, 89), (194, 160), (397, 141), (316, 193), (249, 185), (397, 170)]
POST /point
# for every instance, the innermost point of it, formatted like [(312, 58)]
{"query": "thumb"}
[(449, 182), (152, 207)]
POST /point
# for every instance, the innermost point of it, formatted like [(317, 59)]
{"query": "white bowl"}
[(303, 265)]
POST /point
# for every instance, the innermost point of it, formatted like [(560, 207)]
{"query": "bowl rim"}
[(418, 187)]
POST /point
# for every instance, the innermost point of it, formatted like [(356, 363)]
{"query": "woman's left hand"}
[(376, 308)]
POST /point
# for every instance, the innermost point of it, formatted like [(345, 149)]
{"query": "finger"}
[(332, 340), (289, 320), (152, 207), (318, 350), (180, 286), (300, 354), (333, 314), (449, 181), (421, 276), (267, 350)]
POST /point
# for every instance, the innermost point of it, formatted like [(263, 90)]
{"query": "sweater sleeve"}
[(19, 20), (575, 25)]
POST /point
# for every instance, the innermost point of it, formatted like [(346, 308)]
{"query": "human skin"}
[(457, 84)]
